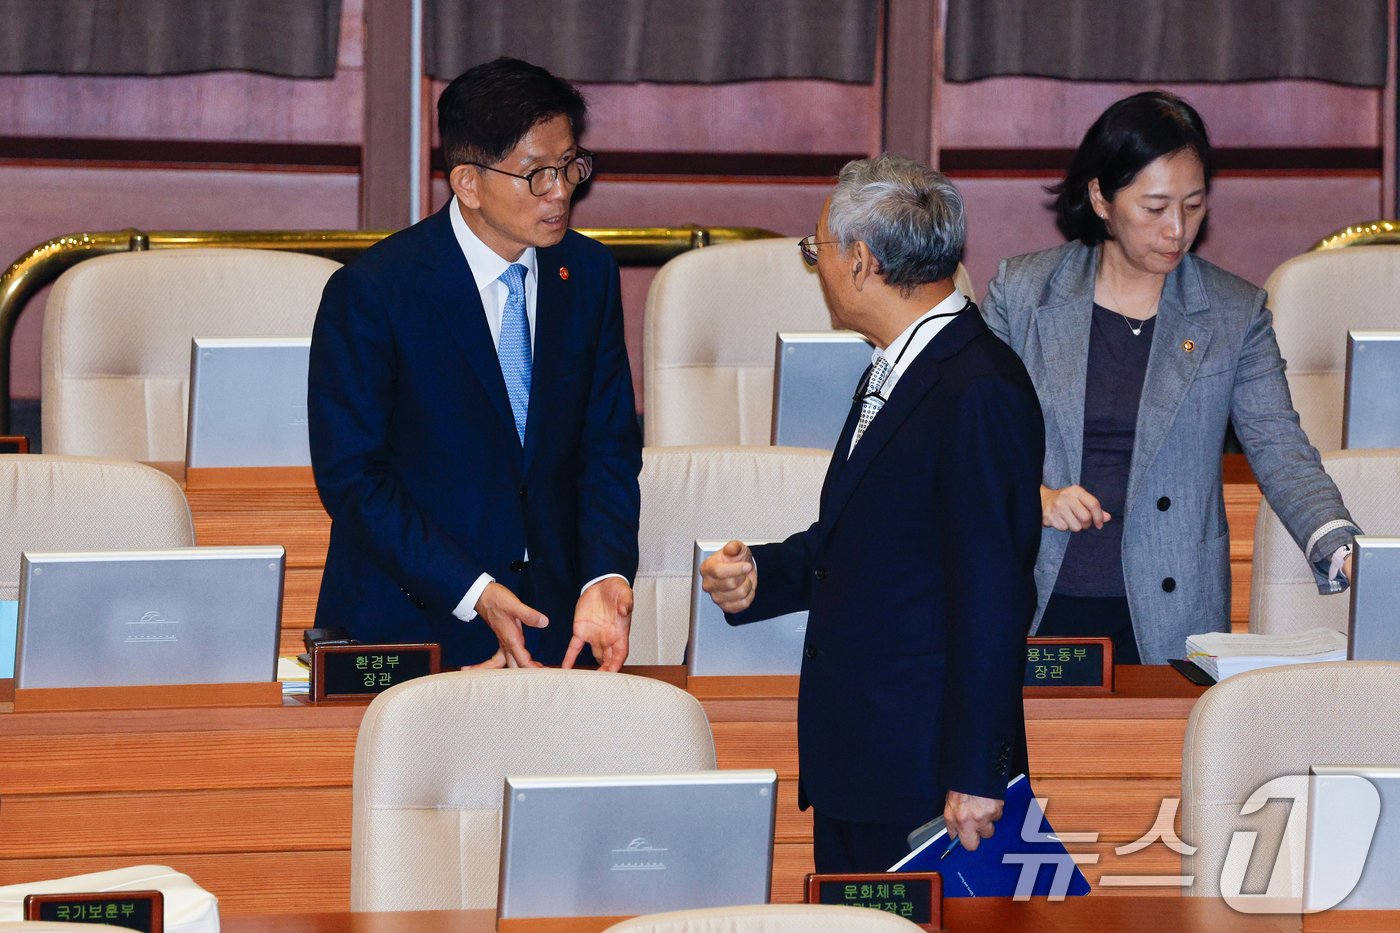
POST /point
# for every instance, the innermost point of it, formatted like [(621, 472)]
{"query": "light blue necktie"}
[(514, 348)]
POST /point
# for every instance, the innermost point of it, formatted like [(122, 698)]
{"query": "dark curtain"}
[(658, 40), (294, 38), (1343, 41)]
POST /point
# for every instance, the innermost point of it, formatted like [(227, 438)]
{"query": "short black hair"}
[(1126, 137), (489, 108)]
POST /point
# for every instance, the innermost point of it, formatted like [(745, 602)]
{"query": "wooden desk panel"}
[(960, 915), (254, 803)]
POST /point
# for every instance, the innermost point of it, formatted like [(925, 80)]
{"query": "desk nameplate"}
[(917, 896), (1068, 666), (132, 910), (362, 672)]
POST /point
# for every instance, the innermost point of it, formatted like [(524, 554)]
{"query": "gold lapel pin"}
[(1188, 345), (564, 273)]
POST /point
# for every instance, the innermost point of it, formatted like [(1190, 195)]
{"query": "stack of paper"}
[(295, 677), (1221, 654)]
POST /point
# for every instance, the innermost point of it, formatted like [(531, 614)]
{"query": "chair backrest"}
[(1283, 597), (1272, 723), (768, 918), (50, 503), (433, 754), (712, 317), (117, 332), (1316, 298), (691, 493)]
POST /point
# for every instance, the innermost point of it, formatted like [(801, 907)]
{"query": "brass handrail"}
[(1373, 233), (46, 262)]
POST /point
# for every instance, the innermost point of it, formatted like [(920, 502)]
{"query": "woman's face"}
[(1153, 221)]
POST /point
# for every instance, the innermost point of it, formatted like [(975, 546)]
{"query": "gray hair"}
[(909, 215)]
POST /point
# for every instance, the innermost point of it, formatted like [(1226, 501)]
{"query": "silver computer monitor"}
[(248, 402), (1351, 858), (622, 845), (1371, 411), (131, 618), (716, 648), (815, 375), (1374, 631)]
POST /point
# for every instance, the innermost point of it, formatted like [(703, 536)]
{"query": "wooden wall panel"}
[(1047, 113), (218, 106), (802, 116)]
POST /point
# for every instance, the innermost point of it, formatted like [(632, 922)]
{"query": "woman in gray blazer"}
[(1142, 353)]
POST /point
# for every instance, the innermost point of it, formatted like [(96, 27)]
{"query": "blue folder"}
[(1024, 857)]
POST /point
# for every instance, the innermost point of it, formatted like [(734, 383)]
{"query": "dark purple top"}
[(1093, 563)]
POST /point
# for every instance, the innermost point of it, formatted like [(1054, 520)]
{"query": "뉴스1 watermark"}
[(1283, 893)]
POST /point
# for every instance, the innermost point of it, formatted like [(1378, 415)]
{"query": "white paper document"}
[(1223, 654)]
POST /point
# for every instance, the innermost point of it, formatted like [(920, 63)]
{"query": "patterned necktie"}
[(873, 402), (514, 347)]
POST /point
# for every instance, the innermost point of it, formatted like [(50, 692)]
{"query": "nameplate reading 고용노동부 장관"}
[(1070, 663), (360, 672)]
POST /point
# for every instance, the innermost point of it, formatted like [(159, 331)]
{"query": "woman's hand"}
[(1073, 508)]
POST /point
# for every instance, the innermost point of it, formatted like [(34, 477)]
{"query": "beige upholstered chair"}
[(711, 319), (1271, 723), (690, 493), (1282, 595), (433, 753), (1316, 298), (768, 918), (52, 503), (117, 331)]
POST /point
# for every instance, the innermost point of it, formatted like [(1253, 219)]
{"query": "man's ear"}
[(863, 264), (463, 180)]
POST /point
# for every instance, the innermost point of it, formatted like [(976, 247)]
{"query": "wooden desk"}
[(960, 915), (255, 803), (281, 506)]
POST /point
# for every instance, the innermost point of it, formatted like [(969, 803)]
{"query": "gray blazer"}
[(1214, 361)]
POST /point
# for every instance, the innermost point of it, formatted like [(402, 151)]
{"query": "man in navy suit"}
[(917, 574), (473, 430)]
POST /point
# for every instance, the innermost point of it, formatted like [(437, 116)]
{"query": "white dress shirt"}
[(487, 265), (905, 348)]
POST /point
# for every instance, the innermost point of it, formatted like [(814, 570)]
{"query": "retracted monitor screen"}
[(132, 618), (1352, 855), (1372, 403), (815, 376), (633, 844), (248, 402), (716, 648), (1374, 633)]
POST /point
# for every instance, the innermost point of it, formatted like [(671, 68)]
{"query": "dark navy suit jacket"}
[(417, 458), (918, 577)]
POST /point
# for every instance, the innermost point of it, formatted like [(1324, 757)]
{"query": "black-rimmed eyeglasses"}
[(807, 246), (542, 180)]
